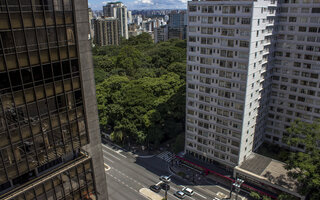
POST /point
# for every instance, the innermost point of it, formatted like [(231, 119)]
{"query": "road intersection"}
[(127, 174)]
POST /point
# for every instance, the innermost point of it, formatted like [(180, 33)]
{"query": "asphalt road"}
[(128, 174)]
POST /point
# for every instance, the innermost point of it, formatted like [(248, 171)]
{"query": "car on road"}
[(165, 186), (155, 188), (179, 194), (216, 198), (187, 191), (165, 179)]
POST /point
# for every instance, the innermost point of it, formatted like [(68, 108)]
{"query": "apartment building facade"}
[(295, 72), (50, 145), (107, 31), (118, 10), (252, 69), (228, 54)]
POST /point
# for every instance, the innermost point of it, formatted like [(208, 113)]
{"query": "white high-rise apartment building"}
[(295, 72), (118, 10), (252, 69)]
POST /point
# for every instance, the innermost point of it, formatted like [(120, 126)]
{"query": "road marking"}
[(200, 195), (118, 151), (107, 167), (108, 159), (111, 155)]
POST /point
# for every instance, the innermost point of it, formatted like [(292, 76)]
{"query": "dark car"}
[(164, 186), (155, 188)]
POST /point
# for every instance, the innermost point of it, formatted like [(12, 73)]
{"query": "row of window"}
[(224, 9)]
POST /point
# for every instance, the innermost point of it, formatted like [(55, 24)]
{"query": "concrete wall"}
[(94, 148)]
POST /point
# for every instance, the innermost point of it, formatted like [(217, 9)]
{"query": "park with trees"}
[(141, 90)]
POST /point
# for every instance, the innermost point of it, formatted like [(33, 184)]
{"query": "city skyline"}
[(142, 4)]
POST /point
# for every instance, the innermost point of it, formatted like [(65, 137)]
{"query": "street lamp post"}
[(237, 186)]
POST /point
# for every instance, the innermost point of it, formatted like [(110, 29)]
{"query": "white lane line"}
[(105, 157), (111, 155), (118, 151), (200, 195)]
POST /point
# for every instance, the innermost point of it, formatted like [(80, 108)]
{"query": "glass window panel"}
[(29, 94), (48, 185), (52, 37), (30, 195), (69, 18), (44, 56), (49, 89), (25, 132), (23, 59), (42, 38), (32, 40), (28, 20), (34, 57), (39, 92), (54, 53), (4, 21), (7, 42), (59, 89), (63, 53), (76, 83), (39, 189), (26, 5), (19, 98), (59, 18), (2, 68), (11, 62), (49, 18), (73, 51), (39, 19), (16, 20)]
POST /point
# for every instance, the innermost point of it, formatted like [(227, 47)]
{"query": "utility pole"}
[(237, 186)]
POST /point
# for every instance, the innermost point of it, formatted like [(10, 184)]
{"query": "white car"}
[(165, 179), (187, 191)]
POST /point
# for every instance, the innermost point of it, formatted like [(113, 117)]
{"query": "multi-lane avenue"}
[(128, 173)]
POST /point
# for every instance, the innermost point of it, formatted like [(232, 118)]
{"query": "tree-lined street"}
[(128, 174)]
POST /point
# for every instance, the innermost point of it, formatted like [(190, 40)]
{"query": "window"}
[(245, 21), (315, 10), (192, 8)]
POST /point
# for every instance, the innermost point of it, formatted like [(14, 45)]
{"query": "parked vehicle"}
[(155, 188), (187, 191), (165, 179), (179, 194)]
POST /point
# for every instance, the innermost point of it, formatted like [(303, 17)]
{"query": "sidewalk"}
[(149, 194)]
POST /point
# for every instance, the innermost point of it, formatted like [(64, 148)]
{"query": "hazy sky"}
[(143, 4)]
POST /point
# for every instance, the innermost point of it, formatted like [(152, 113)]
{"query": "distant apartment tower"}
[(227, 79), (107, 31), (177, 25), (130, 20), (50, 145), (161, 34), (91, 24), (118, 10), (253, 68)]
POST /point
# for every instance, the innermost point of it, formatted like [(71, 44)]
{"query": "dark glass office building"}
[(49, 134)]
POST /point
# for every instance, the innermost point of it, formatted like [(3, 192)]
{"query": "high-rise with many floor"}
[(252, 69), (118, 10), (50, 145), (107, 31)]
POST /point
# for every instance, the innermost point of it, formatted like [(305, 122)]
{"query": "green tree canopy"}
[(305, 165)]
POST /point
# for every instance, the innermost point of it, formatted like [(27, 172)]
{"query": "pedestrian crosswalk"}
[(166, 156)]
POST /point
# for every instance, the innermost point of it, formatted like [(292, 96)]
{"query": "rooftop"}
[(269, 170)]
